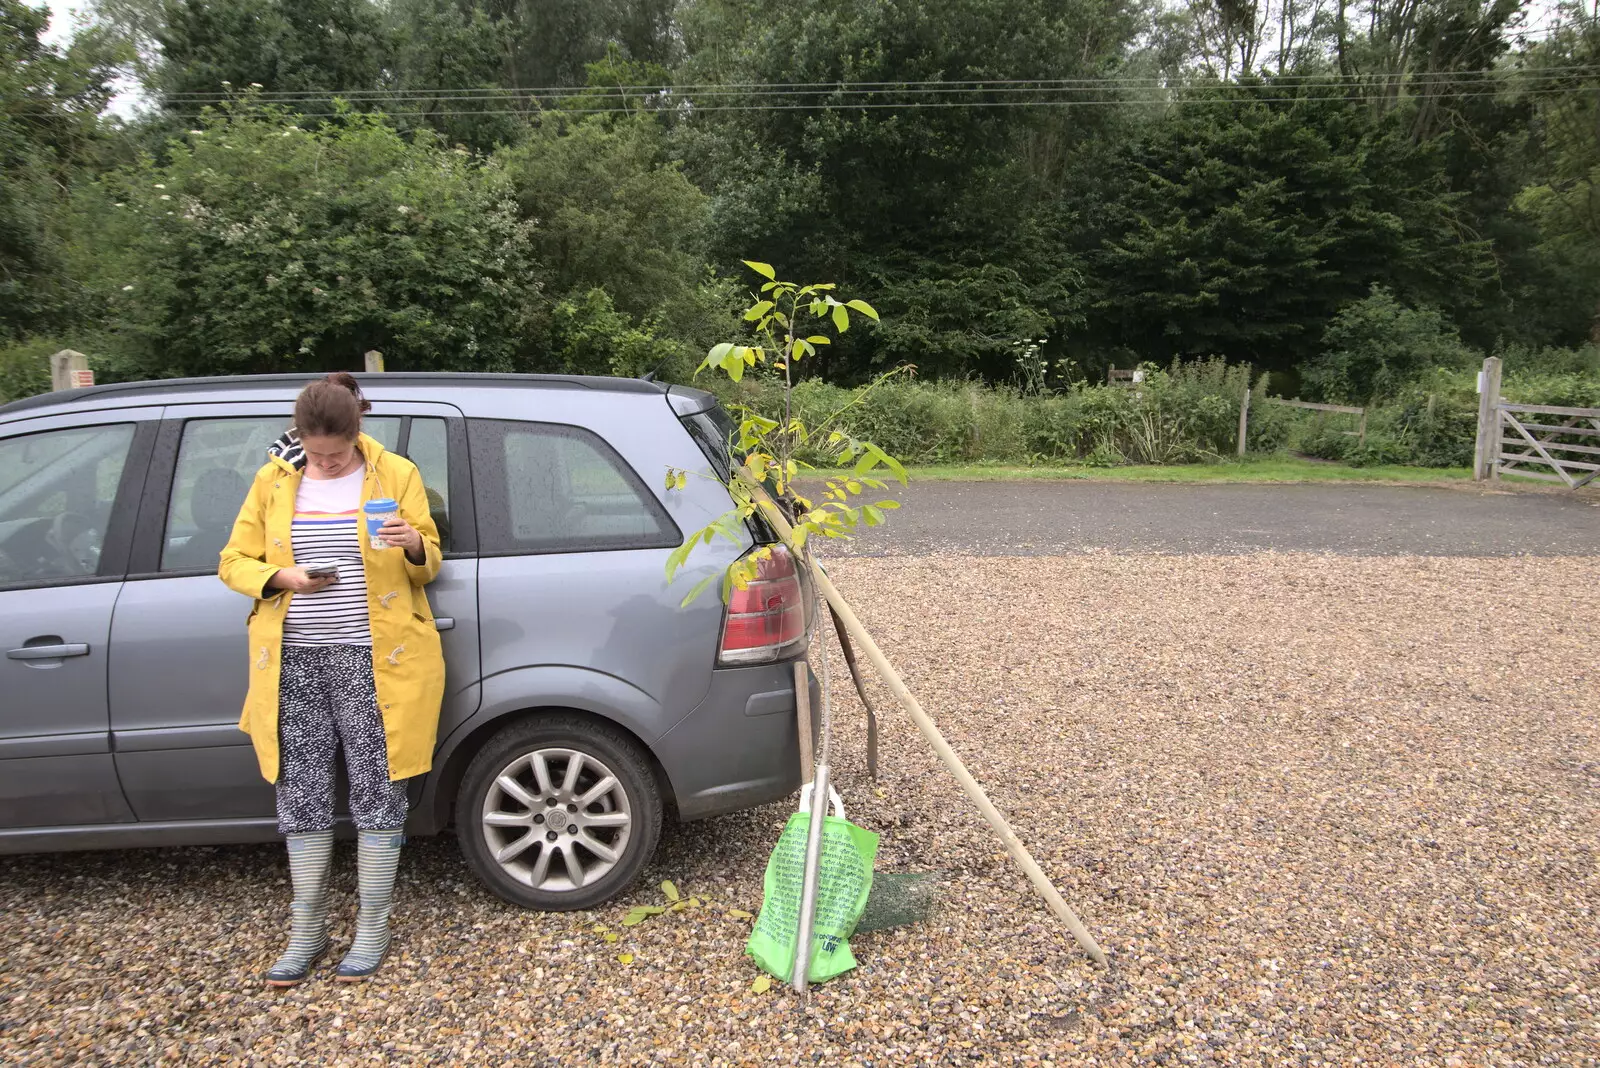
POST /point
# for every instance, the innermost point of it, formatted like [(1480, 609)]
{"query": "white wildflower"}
[(160, 185), (127, 289), (165, 196)]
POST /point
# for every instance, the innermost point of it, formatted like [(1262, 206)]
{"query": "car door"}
[(69, 488), (179, 662), (573, 595)]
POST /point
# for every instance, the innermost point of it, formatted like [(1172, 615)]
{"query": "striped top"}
[(327, 528)]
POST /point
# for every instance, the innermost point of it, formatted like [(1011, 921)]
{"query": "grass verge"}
[(1272, 469)]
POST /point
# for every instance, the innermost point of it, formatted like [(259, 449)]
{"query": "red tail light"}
[(767, 618)]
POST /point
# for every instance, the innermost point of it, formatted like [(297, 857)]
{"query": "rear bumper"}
[(740, 747)]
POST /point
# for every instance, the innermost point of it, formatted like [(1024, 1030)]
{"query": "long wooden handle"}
[(930, 731)]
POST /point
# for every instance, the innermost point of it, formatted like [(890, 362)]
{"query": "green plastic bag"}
[(844, 880)]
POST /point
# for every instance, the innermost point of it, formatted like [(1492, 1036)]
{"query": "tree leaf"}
[(639, 913), (763, 269), (841, 318), (611, 936), (626, 958), (820, 339), (699, 588), (670, 890), (757, 310), (762, 984), (740, 914), (864, 308)]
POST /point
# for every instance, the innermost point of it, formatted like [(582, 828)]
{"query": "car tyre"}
[(558, 813)]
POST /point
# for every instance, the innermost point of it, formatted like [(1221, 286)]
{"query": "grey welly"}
[(310, 856), (377, 860)]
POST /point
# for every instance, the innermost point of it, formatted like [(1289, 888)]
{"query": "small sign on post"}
[(374, 362), (69, 369)]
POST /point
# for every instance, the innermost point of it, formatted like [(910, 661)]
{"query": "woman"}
[(347, 659)]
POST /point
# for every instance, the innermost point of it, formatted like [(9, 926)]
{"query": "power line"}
[(814, 88), (691, 109)]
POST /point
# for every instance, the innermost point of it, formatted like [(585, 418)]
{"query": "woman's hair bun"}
[(348, 381)]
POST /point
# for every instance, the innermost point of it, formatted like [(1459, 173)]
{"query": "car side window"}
[(428, 448), (549, 488), (217, 459), (57, 489)]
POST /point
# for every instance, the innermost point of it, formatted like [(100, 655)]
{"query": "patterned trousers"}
[(327, 699)]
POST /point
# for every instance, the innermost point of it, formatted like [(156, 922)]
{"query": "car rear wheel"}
[(558, 813)]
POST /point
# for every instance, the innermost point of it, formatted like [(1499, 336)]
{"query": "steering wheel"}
[(71, 537)]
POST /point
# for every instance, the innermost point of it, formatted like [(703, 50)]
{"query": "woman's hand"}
[(398, 533), (295, 580)]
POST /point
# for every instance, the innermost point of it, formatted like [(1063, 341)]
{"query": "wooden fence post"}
[(374, 361), (1244, 413), (69, 370), (1486, 455)]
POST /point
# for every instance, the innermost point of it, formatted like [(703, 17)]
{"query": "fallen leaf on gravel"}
[(762, 984), (670, 890), (639, 913)]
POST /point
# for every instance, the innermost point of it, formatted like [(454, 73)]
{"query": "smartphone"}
[(323, 569)]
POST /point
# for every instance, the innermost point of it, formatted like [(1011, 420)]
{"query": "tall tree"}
[(314, 48), (50, 105), (921, 193), (1564, 202), (1239, 229)]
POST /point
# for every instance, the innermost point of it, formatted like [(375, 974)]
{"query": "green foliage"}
[(1202, 182), (788, 324), (49, 100), (589, 336), (299, 46), (1376, 345), (611, 211), (1241, 227), (259, 245), (1185, 413), (25, 367), (446, 54)]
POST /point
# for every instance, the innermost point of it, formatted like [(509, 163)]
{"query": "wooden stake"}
[(1486, 458), (861, 692), (930, 731), (1244, 414)]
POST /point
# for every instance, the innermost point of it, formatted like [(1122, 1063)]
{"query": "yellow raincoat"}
[(406, 658)]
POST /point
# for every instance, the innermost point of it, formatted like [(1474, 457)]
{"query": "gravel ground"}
[(1318, 810)]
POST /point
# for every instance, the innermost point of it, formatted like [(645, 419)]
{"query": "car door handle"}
[(47, 652), (443, 623)]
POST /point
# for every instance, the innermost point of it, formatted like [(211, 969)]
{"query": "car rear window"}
[(549, 488)]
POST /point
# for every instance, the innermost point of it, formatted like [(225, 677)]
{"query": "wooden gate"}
[(1542, 441)]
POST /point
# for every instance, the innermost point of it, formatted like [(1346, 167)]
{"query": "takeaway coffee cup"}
[(379, 511)]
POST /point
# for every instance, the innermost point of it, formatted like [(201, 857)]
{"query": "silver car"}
[(583, 705)]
